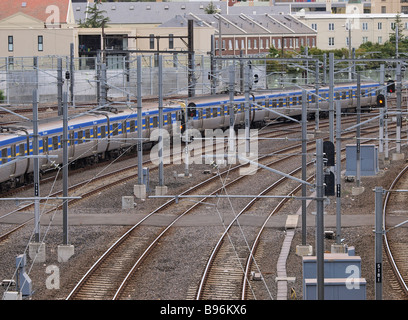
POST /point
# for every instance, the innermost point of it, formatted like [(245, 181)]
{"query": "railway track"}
[(87, 188), (94, 278), (184, 208), (395, 240)]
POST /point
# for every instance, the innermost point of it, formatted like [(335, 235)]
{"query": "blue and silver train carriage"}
[(103, 134)]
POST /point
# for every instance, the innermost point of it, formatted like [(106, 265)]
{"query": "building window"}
[(242, 44), (379, 25), (379, 40), (267, 44), (171, 41), (230, 45), (249, 44), (331, 26), (314, 26), (261, 44), (365, 26), (331, 41), (383, 9), (10, 43), (404, 9), (365, 39), (393, 25), (40, 43), (151, 40), (255, 44)]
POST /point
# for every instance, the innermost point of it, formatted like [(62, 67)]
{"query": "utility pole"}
[(319, 219), (36, 169), (59, 85), (231, 140), (71, 74), (398, 87), (378, 242), (304, 151), (191, 58), (161, 175), (65, 170), (331, 96)]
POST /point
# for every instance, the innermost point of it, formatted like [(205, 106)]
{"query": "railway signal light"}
[(329, 181), (191, 110), (380, 101), (390, 86)]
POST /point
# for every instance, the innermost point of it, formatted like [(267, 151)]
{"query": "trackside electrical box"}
[(342, 274), (368, 160), (337, 289)]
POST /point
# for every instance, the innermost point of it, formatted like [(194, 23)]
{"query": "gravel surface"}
[(188, 243)]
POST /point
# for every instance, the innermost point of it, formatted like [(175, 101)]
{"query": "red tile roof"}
[(35, 8)]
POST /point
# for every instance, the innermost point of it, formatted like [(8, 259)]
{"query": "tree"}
[(211, 8), (95, 19)]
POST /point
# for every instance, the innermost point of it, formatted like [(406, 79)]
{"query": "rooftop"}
[(38, 9)]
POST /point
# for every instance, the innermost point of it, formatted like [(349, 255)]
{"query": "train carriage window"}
[(344, 95), (87, 134), (4, 155), (266, 104), (300, 100), (280, 103), (103, 131), (45, 145), (208, 113), (313, 98), (274, 104), (155, 121), (80, 137), (337, 95), (132, 125), (71, 137), (287, 102), (21, 149), (55, 143), (115, 129)]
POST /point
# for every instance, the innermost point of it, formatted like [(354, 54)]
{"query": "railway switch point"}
[(161, 190), (139, 190), (65, 252), (304, 250), (36, 251)]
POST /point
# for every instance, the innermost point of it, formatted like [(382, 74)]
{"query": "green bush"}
[(2, 98)]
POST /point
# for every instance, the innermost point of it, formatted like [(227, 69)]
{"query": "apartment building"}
[(333, 29)]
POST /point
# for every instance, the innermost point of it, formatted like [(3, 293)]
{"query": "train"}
[(105, 134)]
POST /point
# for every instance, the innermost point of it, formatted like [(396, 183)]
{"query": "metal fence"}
[(19, 76)]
